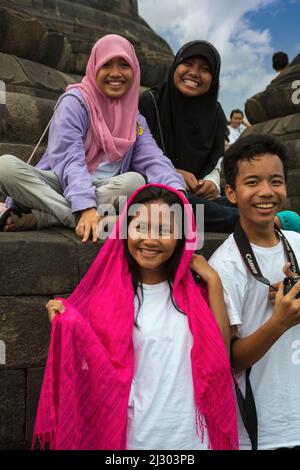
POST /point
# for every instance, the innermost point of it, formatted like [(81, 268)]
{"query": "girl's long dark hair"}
[(154, 193)]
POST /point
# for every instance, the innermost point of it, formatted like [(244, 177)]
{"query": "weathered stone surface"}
[(24, 36), (83, 23), (293, 184), (272, 103), (20, 34), (57, 51), (87, 252), (293, 204), (24, 328), (26, 118), (125, 7), (22, 151), (37, 263), (278, 99), (31, 78), (15, 446), (293, 149), (34, 384), (12, 406)]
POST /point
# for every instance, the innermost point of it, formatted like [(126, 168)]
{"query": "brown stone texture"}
[(34, 384), (25, 330), (61, 34), (43, 263), (12, 406), (276, 111)]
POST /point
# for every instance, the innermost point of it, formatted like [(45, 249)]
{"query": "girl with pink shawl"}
[(90, 367), (113, 120)]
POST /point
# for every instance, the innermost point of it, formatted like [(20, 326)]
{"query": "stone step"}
[(278, 99), (22, 151), (83, 25), (28, 77), (24, 118), (48, 262), (123, 7), (25, 36)]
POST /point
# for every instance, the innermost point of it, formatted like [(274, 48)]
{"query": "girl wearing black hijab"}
[(189, 125)]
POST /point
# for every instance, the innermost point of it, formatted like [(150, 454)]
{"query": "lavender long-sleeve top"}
[(65, 154)]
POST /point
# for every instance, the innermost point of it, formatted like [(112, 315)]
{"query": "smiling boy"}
[(255, 171)]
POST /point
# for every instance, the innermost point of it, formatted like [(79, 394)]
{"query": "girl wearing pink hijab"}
[(136, 358), (99, 148)]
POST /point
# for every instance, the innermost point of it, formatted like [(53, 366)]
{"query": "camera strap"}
[(247, 404), (248, 256)]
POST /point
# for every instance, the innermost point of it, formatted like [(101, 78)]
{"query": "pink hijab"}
[(113, 121), (88, 376)]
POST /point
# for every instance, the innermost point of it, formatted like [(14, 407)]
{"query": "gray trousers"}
[(40, 191)]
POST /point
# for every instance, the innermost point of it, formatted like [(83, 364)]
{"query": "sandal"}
[(289, 220), (21, 221)]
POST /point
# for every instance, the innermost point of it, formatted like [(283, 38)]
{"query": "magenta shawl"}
[(113, 121), (89, 371)]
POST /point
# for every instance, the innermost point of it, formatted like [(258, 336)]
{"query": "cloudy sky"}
[(246, 33)]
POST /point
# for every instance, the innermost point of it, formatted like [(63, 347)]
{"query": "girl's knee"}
[(134, 181), (8, 164)]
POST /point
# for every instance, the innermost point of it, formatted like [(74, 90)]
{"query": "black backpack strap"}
[(158, 122)]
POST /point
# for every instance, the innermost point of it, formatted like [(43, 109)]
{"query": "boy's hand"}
[(54, 307), (273, 291), (88, 222), (207, 189), (286, 313), (189, 179), (200, 266)]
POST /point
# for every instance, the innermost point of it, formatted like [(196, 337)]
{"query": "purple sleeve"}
[(66, 153), (149, 160)]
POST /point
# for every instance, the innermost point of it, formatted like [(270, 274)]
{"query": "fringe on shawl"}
[(47, 437), (207, 417)]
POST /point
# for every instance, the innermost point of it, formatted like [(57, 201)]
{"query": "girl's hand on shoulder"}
[(200, 265), (54, 307), (189, 179)]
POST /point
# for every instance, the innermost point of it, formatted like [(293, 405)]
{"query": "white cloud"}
[(246, 52)]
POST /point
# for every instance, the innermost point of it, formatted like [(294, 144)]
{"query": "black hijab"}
[(193, 129)]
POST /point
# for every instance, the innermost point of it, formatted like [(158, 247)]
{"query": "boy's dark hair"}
[(247, 148), (238, 111), (154, 193), (280, 60)]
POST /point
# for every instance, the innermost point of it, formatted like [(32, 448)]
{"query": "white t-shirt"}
[(275, 378), (162, 412), (235, 132), (106, 170)]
